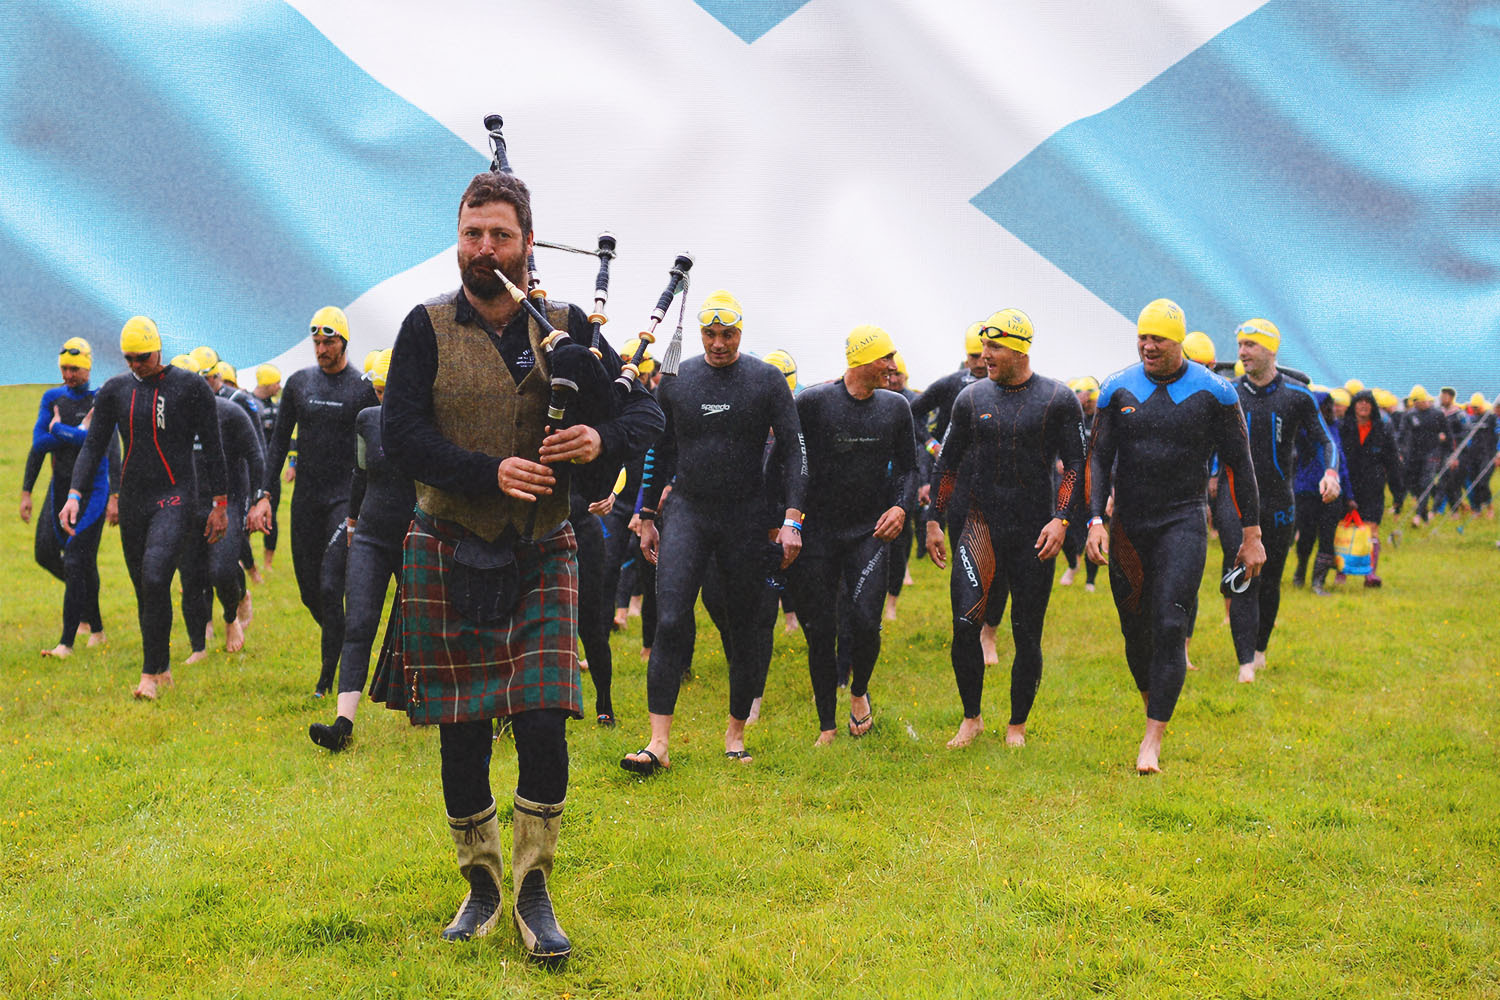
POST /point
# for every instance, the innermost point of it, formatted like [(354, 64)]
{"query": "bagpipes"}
[(580, 391)]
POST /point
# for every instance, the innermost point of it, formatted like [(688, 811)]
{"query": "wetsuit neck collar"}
[(1179, 373), (1264, 390), (1015, 386)]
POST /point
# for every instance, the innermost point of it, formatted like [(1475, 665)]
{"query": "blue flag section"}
[(1332, 167), (222, 168), (751, 19)]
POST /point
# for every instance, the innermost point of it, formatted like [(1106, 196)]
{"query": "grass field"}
[(1330, 831)]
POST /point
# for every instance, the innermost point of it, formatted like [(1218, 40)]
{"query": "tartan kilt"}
[(457, 670)]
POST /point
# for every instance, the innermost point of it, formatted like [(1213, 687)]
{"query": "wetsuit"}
[(1478, 460), (73, 560), (1277, 415), (1151, 442), (862, 462), (1078, 522), (1006, 440), (321, 409), (717, 420), (208, 569), (1318, 521), (269, 408), (251, 406), (1427, 448), (381, 501), (1451, 489), (901, 546), (933, 408), (158, 418), (595, 609)]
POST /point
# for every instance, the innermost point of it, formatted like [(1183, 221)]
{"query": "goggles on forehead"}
[(326, 331), (1000, 333), (721, 315), (75, 351)]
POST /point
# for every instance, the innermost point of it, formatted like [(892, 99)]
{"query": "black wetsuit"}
[(1006, 441), (1078, 522), (251, 406), (381, 501), (933, 408), (862, 462), (711, 453), (1478, 459), (1152, 442), (901, 546), (1427, 448), (72, 559), (1277, 416), (158, 418), (209, 569), (269, 408), (320, 409)]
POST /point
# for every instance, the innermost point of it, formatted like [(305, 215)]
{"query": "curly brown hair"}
[(491, 186)]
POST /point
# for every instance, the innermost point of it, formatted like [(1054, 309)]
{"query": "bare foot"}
[(208, 633), (234, 637), (890, 608), (825, 738), (791, 623), (196, 656), (861, 716), (1066, 580), (1148, 759), (60, 651), (754, 715), (1015, 736), (244, 613), (84, 628), (1260, 660), (621, 619), (145, 690), (634, 608), (270, 557), (1190, 666), (164, 679), (907, 581), (645, 652), (255, 576), (96, 639), (987, 644), (1247, 673), (1185, 644), (968, 731), (1088, 588)]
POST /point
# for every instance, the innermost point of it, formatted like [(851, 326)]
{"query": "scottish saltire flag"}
[(229, 167)]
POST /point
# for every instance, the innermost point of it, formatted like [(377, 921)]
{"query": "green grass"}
[(1330, 831)]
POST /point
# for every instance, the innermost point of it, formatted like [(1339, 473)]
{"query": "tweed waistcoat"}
[(478, 405)]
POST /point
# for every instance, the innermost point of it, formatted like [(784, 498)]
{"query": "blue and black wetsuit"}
[(1277, 416), (320, 409), (73, 560), (861, 459), (717, 420), (208, 569), (1151, 444), (1003, 442), (158, 418)]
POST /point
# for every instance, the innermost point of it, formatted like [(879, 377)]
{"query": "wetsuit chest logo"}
[(1127, 409), (709, 409), (161, 413)]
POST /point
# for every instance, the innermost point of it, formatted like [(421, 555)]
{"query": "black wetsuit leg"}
[(331, 580), (1329, 516), (80, 560), (152, 532), (275, 533), (373, 564), (1252, 614), (859, 566), (224, 570), (1154, 571), (1309, 506), (309, 533), (46, 547), (594, 611), (646, 578), (901, 556), (617, 552), (197, 589), (812, 584), (865, 568)]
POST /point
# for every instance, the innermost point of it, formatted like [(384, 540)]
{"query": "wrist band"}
[(646, 514), (221, 501), (794, 525), (1095, 520), (74, 495)]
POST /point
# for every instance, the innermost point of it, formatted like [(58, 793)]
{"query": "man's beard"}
[(480, 280)]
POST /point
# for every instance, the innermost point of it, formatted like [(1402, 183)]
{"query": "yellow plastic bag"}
[(1352, 542)]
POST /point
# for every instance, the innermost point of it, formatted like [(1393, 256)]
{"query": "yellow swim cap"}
[(1339, 396), (1385, 399), (867, 343), (787, 365), (1260, 331), (75, 353), (1162, 318), (648, 363), (186, 363), (1009, 328), (1086, 383), (1199, 347), (226, 372), (1478, 400), (369, 361), (1419, 395), (139, 336), (722, 308), (1353, 385), (901, 365), (380, 367), (330, 321), (267, 375), (973, 342), (205, 358)]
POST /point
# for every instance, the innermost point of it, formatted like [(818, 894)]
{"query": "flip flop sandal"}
[(645, 768), (856, 723), (743, 756), (605, 719)]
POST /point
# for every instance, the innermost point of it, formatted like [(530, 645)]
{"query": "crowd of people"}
[(446, 473)]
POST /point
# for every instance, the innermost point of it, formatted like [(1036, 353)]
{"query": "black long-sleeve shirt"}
[(861, 457), (320, 410), (157, 419), (1152, 441), (717, 420), (420, 450), (1012, 437)]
